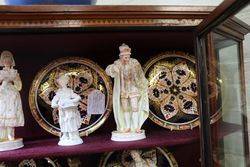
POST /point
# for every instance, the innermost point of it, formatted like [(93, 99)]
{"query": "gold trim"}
[(40, 75), (77, 23)]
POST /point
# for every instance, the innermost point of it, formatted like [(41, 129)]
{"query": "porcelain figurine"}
[(11, 112), (139, 161), (130, 96), (66, 101), (135, 158)]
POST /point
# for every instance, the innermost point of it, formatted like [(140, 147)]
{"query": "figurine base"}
[(70, 142), (131, 136), (11, 145)]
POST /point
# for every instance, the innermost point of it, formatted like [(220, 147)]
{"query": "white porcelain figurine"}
[(66, 101), (130, 96), (11, 112)]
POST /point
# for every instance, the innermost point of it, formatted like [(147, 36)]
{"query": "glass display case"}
[(197, 118), (225, 55)]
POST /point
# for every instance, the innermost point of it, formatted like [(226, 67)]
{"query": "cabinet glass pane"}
[(228, 132)]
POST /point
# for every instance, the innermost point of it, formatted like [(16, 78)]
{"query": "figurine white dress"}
[(69, 117), (130, 96), (11, 112)]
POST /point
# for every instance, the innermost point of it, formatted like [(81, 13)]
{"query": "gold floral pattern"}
[(175, 90), (85, 76)]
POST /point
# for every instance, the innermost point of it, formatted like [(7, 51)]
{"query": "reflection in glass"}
[(227, 134), (46, 2), (112, 2), (159, 2), (244, 15)]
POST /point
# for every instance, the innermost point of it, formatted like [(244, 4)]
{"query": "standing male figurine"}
[(130, 96)]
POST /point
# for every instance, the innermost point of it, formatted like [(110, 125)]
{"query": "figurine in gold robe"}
[(130, 93)]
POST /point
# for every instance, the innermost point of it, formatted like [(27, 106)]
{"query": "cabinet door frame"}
[(223, 12)]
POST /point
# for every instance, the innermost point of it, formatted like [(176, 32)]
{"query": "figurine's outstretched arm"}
[(54, 102), (112, 70), (75, 97)]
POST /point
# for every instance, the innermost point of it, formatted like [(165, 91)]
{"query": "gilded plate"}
[(85, 76), (173, 90), (159, 157), (48, 162)]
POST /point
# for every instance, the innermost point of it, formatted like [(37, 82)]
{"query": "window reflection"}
[(227, 134), (113, 2)]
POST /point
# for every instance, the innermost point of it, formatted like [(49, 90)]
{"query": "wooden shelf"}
[(98, 143)]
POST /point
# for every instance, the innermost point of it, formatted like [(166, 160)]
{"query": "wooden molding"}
[(234, 28), (97, 22), (225, 10), (67, 16)]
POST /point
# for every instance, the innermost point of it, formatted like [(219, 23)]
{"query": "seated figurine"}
[(66, 101)]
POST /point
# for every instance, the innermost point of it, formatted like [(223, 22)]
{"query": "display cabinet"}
[(208, 42), (223, 45)]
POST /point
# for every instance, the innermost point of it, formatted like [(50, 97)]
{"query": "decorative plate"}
[(173, 90), (48, 162), (159, 157), (85, 76)]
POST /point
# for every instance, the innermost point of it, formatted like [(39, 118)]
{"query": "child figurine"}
[(69, 117), (130, 96), (11, 112)]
